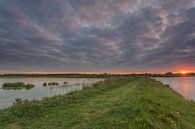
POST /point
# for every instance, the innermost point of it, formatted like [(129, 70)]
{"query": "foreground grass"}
[(135, 103)]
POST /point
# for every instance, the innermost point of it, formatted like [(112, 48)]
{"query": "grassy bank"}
[(136, 103)]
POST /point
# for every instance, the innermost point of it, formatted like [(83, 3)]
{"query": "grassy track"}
[(135, 103)]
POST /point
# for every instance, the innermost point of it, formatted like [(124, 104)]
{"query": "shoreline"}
[(151, 102)]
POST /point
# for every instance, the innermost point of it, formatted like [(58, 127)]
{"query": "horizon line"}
[(2, 73)]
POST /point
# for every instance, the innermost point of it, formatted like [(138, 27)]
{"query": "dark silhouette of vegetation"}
[(50, 84), (169, 74), (103, 75), (45, 84), (53, 83)]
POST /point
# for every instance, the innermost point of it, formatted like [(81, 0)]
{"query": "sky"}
[(97, 35)]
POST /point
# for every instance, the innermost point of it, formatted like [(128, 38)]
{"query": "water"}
[(183, 85), (7, 97)]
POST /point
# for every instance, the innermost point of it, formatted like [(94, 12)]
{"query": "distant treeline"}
[(103, 75)]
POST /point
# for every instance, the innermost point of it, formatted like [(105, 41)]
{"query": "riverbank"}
[(117, 103)]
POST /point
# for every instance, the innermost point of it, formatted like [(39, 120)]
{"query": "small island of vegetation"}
[(17, 86), (51, 84), (44, 84)]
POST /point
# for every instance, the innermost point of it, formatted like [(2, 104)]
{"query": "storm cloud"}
[(96, 35)]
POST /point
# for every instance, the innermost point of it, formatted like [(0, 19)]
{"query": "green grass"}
[(17, 86), (134, 103)]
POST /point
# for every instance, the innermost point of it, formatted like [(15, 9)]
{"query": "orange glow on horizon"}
[(185, 69), (184, 72)]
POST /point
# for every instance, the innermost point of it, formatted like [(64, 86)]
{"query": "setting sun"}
[(184, 72)]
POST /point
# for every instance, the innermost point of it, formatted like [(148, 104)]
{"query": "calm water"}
[(7, 97), (183, 85)]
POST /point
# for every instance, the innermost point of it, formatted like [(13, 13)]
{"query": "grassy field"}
[(134, 103)]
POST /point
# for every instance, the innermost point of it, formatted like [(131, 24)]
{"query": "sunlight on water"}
[(183, 85)]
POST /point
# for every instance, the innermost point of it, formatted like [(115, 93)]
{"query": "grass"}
[(134, 103), (17, 86)]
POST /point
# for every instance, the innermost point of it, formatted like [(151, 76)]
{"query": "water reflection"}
[(183, 85), (186, 87), (7, 97)]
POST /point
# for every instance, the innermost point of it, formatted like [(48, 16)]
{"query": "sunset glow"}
[(184, 72), (63, 61)]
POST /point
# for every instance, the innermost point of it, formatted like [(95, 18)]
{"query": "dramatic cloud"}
[(96, 35)]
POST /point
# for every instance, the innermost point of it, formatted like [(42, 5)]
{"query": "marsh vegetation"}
[(7, 97), (138, 103), (51, 84), (54, 84), (17, 86)]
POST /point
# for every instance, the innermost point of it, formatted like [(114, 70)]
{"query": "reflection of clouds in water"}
[(39, 91)]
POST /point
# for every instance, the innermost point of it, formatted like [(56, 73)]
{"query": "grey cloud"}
[(177, 45), (83, 35)]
